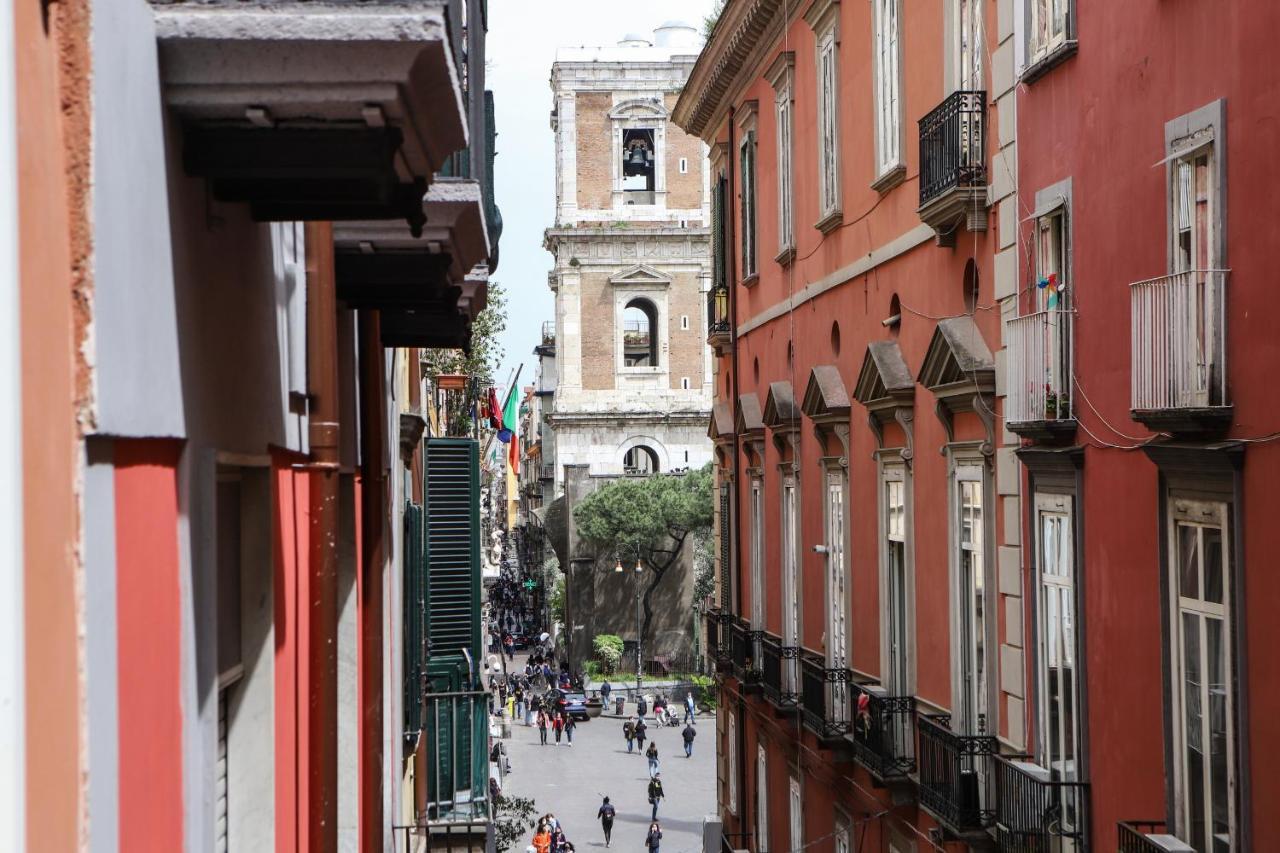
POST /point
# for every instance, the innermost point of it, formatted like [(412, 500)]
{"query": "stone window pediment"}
[(639, 108), (780, 410), (720, 425), (642, 275), (887, 390), (825, 396), (960, 371)]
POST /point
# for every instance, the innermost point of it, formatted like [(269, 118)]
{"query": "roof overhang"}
[(314, 110)]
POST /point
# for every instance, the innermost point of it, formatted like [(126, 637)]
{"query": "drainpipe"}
[(322, 589)]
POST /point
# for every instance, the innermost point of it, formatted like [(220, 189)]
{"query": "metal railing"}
[(825, 697), (1040, 366), (755, 657), (733, 841), (957, 781), (884, 732), (1035, 815), (771, 666), (1179, 341), (443, 837), (952, 145), (718, 324), (1132, 836), (456, 729)]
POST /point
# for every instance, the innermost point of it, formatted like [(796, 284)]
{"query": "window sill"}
[(890, 179), (751, 280), (830, 222), (1049, 61), (786, 256)]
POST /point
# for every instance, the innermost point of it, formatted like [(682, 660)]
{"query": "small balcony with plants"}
[(953, 165), (1179, 352), (1040, 364)]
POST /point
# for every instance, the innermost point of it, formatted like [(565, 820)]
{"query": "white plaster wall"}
[(348, 676), (102, 696)]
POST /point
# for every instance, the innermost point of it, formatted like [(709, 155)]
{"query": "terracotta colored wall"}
[(149, 614), (52, 77), (291, 497)]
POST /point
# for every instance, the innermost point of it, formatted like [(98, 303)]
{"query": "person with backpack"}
[(629, 732), (641, 707), (688, 735), (569, 725), (655, 794), (640, 728), (606, 815), (652, 754), (542, 726), (605, 690)]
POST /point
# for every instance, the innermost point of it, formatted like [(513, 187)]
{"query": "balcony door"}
[(1195, 313), (837, 593), (1203, 687), (1059, 740), (898, 672), (757, 555), (790, 588), (967, 16), (974, 653)]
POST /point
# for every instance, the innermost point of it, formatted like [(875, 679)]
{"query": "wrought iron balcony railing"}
[(719, 328), (1040, 370), (953, 145), (1179, 341), (825, 698), (1148, 836), (771, 666), (884, 731), (1037, 815), (957, 780)]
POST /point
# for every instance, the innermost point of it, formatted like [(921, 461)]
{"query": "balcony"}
[(1036, 815), (456, 739), (743, 652), (953, 170), (549, 333), (718, 643), (1040, 403), (719, 326), (825, 701), (781, 674), (1179, 349), (1148, 836), (957, 779), (884, 732)]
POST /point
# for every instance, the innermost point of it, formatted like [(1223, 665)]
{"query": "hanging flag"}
[(495, 413), (510, 418)]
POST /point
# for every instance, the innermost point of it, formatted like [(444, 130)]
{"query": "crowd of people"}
[(549, 837)]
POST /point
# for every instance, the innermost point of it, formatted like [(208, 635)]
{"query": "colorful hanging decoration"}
[(1053, 287)]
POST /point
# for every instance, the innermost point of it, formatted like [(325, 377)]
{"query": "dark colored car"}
[(573, 704)]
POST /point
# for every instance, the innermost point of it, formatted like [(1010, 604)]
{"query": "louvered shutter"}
[(453, 547), (726, 545), (718, 233), (415, 616)]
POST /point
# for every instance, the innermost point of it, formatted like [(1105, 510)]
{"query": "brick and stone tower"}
[(632, 260)]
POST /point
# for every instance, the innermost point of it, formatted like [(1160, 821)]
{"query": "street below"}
[(570, 782)]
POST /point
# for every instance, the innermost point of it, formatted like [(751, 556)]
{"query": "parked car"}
[(573, 704)]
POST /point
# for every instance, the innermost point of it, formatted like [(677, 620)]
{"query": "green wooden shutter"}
[(415, 616), (453, 548), (718, 201), (726, 552)]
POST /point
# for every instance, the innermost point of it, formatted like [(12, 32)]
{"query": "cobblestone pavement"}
[(569, 782)]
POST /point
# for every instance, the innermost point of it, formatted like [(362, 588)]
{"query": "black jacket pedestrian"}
[(652, 840), (689, 734), (655, 790)]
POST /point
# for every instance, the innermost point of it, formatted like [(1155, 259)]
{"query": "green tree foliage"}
[(709, 20), (608, 649), (480, 364), (649, 519), (704, 567), (513, 817)]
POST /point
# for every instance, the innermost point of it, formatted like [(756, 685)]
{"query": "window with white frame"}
[(898, 675), (1049, 27), (888, 85), (786, 230), (967, 44), (795, 840), (747, 199), (757, 554), (837, 589), (732, 749), (974, 654), (1194, 209), (762, 799), (841, 836), (1204, 731), (790, 585), (1058, 676), (1053, 298), (828, 126)]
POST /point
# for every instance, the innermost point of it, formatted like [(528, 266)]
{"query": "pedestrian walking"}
[(629, 732), (511, 706), (688, 735), (652, 754), (542, 840), (569, 725), (605, 690), (606, 814), (558, 841), (654, 837), (519, 697), (558, 724), (690, 708), (542, 727), (640, 729), (641, 707), (655, 795)]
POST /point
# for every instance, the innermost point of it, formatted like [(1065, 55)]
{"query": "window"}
[(795, 840), (973, 658), (790, 587), (638, 173), (640, 334), (888, 81), (1204, 733), (1194, 209), (757, 554), (1053, 298), (837, 595), (747, 163), (841, 837), (968, 44), (762, 799), (684, 386), (780, 76), (1058, 747), (684, 165), (732, 750), (684, 322), (897, 674), (828, 129), (640, 461), (1049, 28)]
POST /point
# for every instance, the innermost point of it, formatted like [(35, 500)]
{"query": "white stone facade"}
[(616, 246)]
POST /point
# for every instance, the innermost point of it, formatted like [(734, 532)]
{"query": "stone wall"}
[(595, 149), (683, 191)]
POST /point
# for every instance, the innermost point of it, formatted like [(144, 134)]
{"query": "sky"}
[(523, 37)]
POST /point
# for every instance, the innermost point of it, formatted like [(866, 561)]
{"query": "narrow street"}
[(570, 782)]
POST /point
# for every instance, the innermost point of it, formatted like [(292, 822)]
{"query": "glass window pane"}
[(1219, 743), (1188, 564), (1213, 580)]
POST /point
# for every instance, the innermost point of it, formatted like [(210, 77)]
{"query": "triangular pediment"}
[(642, 274), (720, 426), (750, 419), (884, 377), (825, 396), (780, 409), (958, 360)]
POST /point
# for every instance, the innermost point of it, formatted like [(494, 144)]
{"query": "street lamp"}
[(618, 569)]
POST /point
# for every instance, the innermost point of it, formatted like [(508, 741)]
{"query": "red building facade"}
[(986, 460)]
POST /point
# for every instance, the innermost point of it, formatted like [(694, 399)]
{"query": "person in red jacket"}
[(559, 725)]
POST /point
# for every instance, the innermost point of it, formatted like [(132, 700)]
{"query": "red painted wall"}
[(149, 650), (292, 506)]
